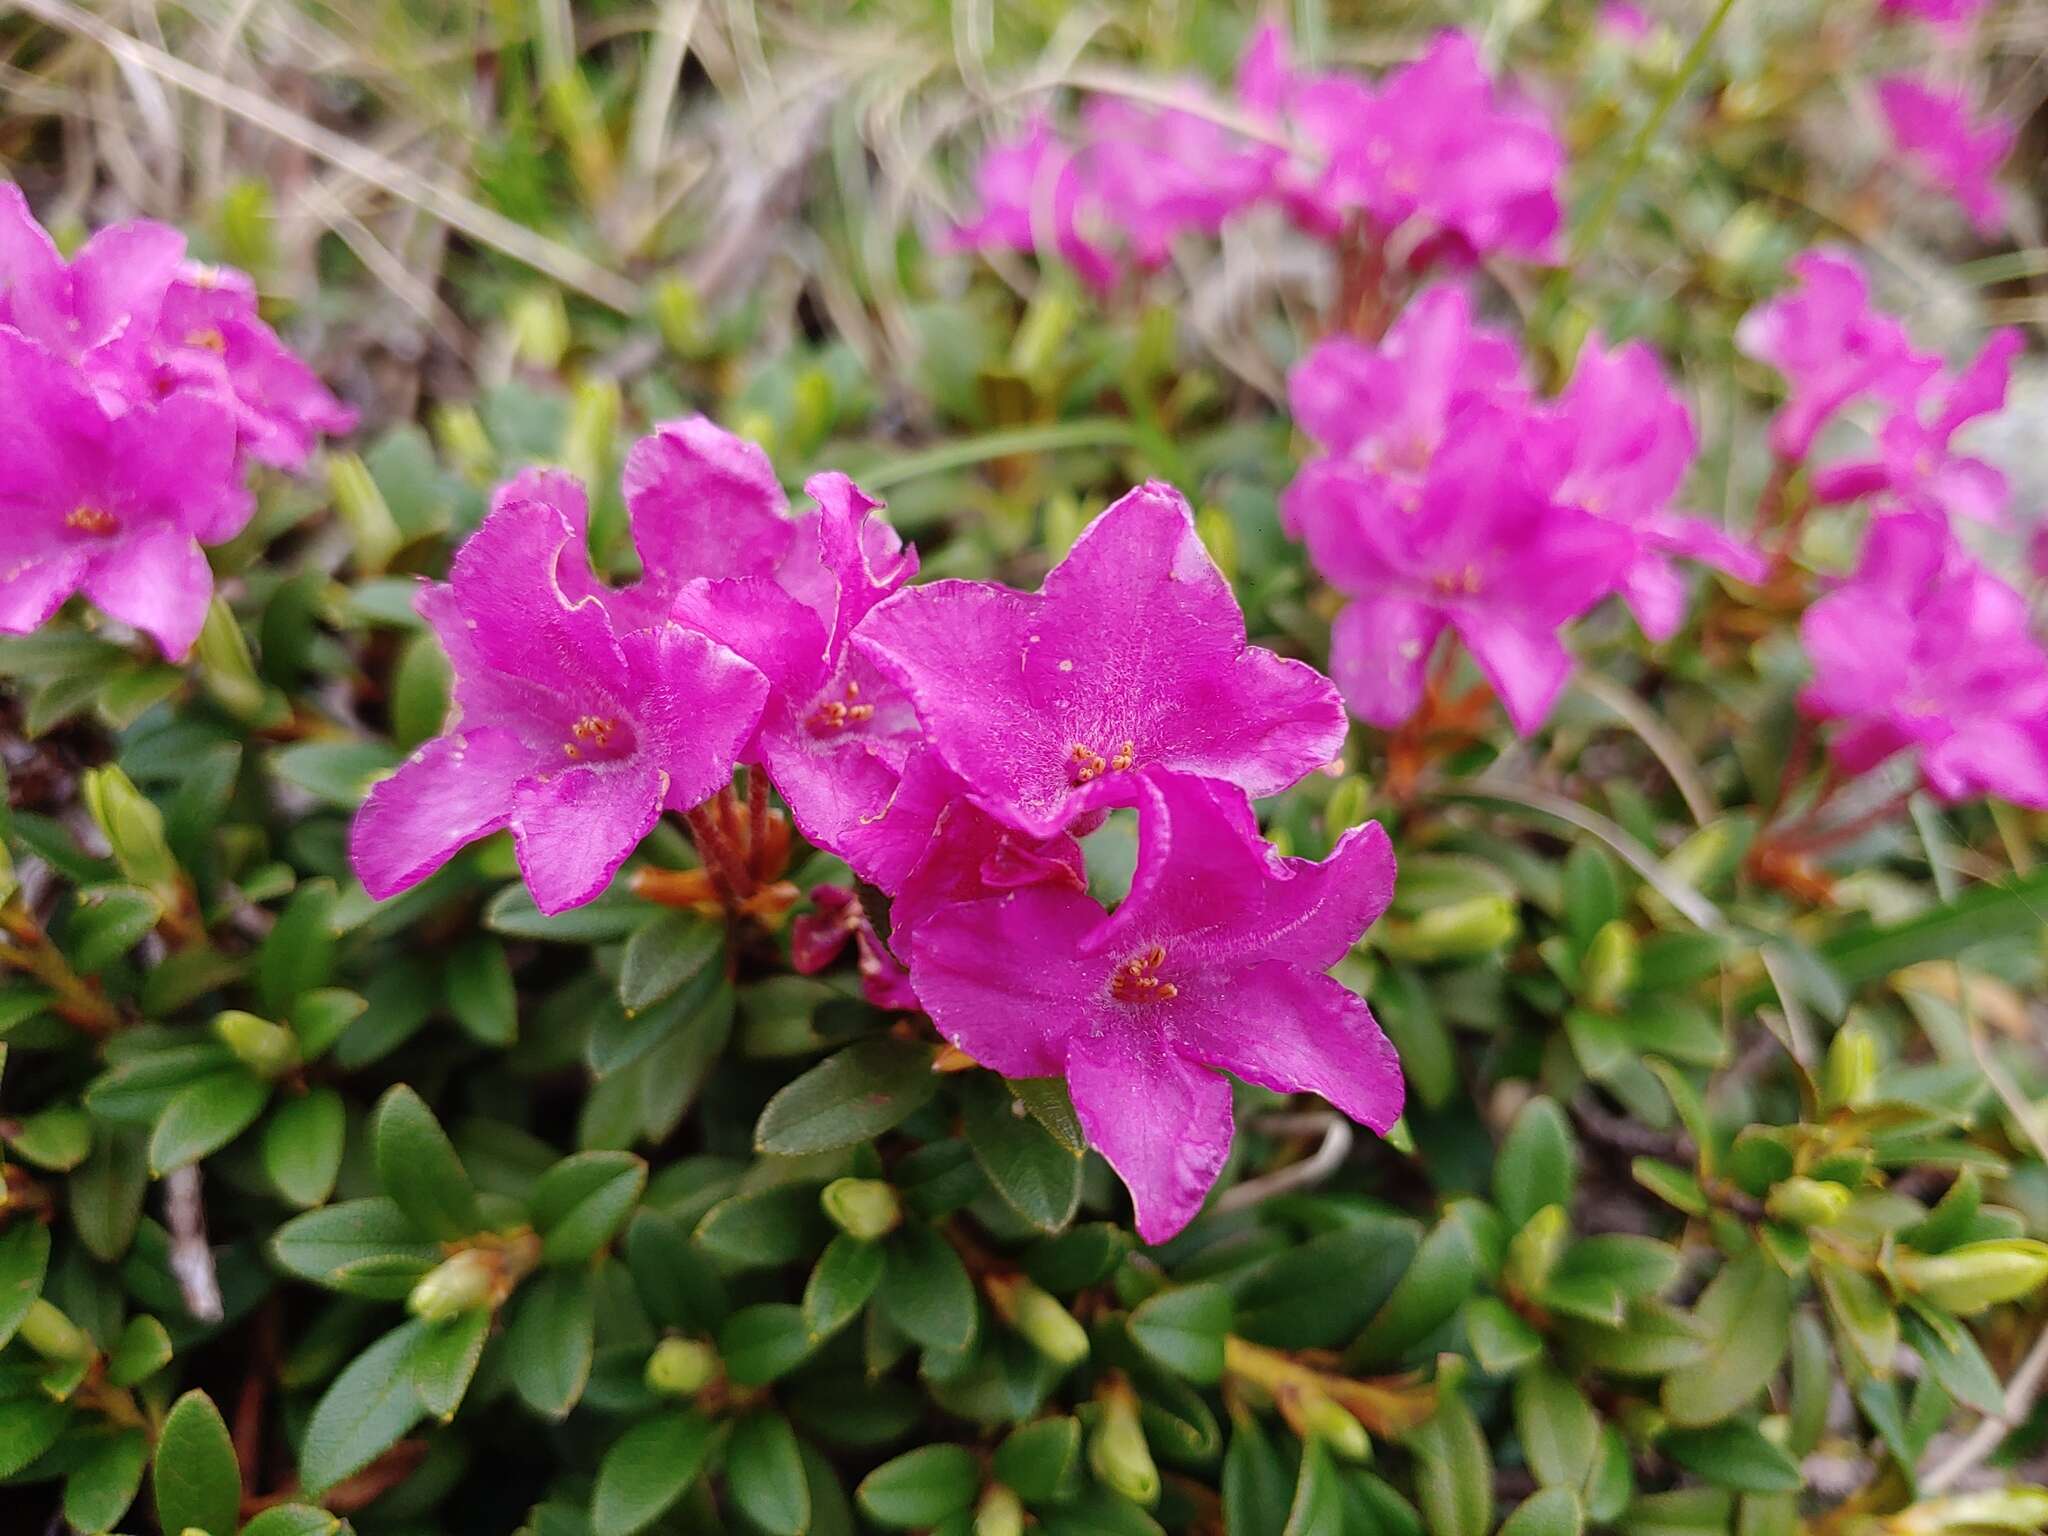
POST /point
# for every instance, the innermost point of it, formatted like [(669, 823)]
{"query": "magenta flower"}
[(1156, 173), (1215, 962), (210, 337), (1922, 650), (98, 310), (1625, 442), (1319, 111), (1475, 168), (1385, 409), (817, 938), (1832, 347), (1031, 193), (1952, 15), (570, 729), (1935, 132), (1623, 22), (112, 505), (722, 555), (1479, 548), (1132, 655), (1917, 466)]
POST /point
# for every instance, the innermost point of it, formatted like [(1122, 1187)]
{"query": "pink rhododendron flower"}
[(1155, 173), (1922, 650), (1132, 655), (1478, 548), (1031, 193), (1952, 14), (817, 938), (211, 338), (1832, 347), (1385, 409), (114, 505), (722, 555), (571, 729), (1935, 131), (1628, 23), (1216, 961), (1624, 442), (1319, 110), (1916, 464), (1473, 165)]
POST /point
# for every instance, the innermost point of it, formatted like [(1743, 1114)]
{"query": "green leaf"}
[(302, 1145), (1559, 1431), (1501, 1339), (56, 1139), (29, 1426), (1861, 1312), (1041, 1462), (1592, 894), (298, 954), (1318, 1294), (863, 1091), (445, 1359), (1317, 1505), (764, 1473), (418, 1167), (1954, 1358), (1184, 1328), (364, 1247), (1546, 1512), (1047, 1101), (197, 1479), (1733, 1455), (1459, 1249), (581, 1201), (295, 1520), (143, 1349), (109, 921), (204, 1117), (845, 1277), (104, 1481), (337, 772), (481, 993), (1746, 1314), (677, 1285), (646, 1470), (106, 1193), (925, 1290), (1980, 914), (365, 1411), (1537, 1165), (24, 1257), (663, 954), (760, 1343), (1453, 1470), (319, 1017), (919, 1488), (550, 1339), (779, 1225), (1038, 1177), (609, 918)]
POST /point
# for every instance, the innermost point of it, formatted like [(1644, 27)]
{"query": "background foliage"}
[(1718, 1202)]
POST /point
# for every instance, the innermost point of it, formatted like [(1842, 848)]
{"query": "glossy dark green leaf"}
[(582, 1201), (1027, 1164), (1184, 1328), (847, 1098), (302, 1146), (550, 1338), (418, 1168), (920, 1488), (764, 1473), (365, 1411), (196, 1479), (646, 1470)]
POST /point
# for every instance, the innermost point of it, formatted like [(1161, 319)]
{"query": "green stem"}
[(1090, 432)]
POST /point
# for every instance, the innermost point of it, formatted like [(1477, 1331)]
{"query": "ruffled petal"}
[(1163, 1123), (572, 829), (452, 791)]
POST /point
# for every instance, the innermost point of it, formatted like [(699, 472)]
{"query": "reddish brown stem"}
[(757, 822), (717, 851)]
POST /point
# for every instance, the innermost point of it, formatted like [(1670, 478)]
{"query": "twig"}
[(552, 259), (1663, 745), (2020, 1394), (191, 1258), (1327, 1158)]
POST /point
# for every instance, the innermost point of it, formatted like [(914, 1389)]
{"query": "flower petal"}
[(1525, 662), (1379, 656), (1162, 1123), (573, 829), (704, 502), (159, 582), (452, 791)]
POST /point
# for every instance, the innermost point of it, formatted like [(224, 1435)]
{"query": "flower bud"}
[(539, 323), (864, 1208), (1064, 520), (1694, 862), (593, 428), (1118, 1453), (269, 1050), (811, 405), (681, 1368), (1968, 1279), (53, 1335), (1219, 536), (1534, 1251), (1610, 968), (1046, 324), (1805, 1202), (134, 829), (1000, 1513), (1047, 1326), (372, 529), (229, 671), (1851, 1073), (464, 441), (1458, 930), (679, 316), (460, 1283), (1347, 806), (1332, 1423)]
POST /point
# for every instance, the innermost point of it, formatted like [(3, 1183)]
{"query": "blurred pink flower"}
[(1935, 131), (1922, 650), (1215, 963), (1951, 14), (817, 938), (1832, 347)]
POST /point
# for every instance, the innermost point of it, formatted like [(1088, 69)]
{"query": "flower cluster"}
[(1922, 650), (1435, 158), (952, 743), (1449, 495), (1935, 133), (135, 386)]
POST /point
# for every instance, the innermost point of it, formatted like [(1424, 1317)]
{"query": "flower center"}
[(1455, 583), (1085, 764), (96, 521), (1137, 979), (208, 339), (835, 715), (591, 736)]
